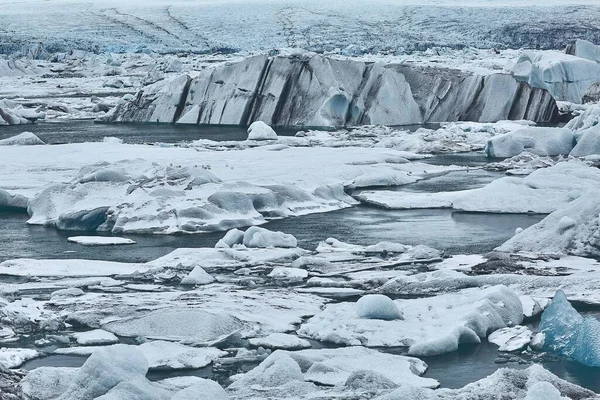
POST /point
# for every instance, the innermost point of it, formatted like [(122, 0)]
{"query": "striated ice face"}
[(570, 334)]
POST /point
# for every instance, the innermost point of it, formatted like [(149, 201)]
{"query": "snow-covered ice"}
[(99, 240)]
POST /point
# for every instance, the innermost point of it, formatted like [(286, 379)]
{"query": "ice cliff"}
[(313, 90)]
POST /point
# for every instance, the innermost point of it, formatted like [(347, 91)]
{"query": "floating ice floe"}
[(99, 240), (71, 267), (511, 339), (543, 191), (96, 337), (430, 326), (281, 341)]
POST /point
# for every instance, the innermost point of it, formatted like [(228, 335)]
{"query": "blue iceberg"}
[(570, 334)]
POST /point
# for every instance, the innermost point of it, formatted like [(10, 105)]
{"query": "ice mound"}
[(260, 131), (13, 357), (430, 326), (176, 324), (104, 370), (197, 277), (377, 306), (10, 201), (539, 141), (568, 333), (23, 139), (331, 367), (585, 49), (572, 229), (47, 383), (588, 143), (257, 237)]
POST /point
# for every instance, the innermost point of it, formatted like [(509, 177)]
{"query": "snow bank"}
[(22, 139), (205, 389), (430, 326), (539, 141), (260, 131), (15, 357)]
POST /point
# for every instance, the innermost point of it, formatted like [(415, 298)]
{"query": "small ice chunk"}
[(231, 238), (96, 337), (197, 277), (260, 131), (511, 339), (377, 306), (263, 238), (289, 274), (280, 341), (112, 140), (70, 292)]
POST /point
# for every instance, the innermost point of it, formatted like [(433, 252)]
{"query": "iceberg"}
[(568, 333)]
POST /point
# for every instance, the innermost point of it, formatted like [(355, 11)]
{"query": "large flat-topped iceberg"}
[(313, 90)]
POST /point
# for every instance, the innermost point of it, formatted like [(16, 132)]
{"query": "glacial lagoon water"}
[(451, 231)]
